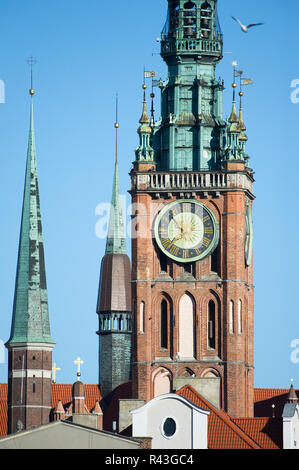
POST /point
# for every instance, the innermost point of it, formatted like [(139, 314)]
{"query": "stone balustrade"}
[(191, 181)]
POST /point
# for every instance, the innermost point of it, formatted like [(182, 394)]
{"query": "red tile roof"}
[(264, 398), (63, 392), (3, 410), (267, 432), (223, 433)]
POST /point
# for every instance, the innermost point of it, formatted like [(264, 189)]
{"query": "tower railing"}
[(191, 181), (191, 45)]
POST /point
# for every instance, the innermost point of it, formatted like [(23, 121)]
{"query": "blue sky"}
[(87, 51)]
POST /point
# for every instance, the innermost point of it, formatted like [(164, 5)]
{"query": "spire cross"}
[(31, 61), (78, 363), (54, 370)]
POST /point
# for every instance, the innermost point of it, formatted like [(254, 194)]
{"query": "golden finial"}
[(233, 117), (144, 118)]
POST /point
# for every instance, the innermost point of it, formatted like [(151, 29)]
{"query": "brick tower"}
[(114, 300), (30, 344), (192, 193)]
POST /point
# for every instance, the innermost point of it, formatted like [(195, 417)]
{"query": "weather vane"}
[(116, 125), (31, 61)]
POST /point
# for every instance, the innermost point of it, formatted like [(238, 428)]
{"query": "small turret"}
[(59, 412), (292, 395), (233, 132), (145, 153)]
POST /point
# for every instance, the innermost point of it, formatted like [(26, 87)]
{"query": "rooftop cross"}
[(78, 363), (54, 370)]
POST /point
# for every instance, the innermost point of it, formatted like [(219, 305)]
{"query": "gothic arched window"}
[(164, 324), (186, 327), (231, 317), (211, 325), (142, 317), (162, 382), (189, 20), (205, 20), (240, 320)]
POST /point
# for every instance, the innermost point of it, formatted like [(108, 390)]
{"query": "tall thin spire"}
[(30, 321), (144, 117), (116, 240), (145, 152), (234, 117), (241, 122)]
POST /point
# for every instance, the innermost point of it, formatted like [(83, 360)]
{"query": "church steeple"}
[(114, 299), (30, 344), (30, 322), (116, 240)]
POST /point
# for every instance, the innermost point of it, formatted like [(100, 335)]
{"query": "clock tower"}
[(192, 193)]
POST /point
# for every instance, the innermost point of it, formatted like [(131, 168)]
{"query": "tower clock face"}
[(186, 231), (248, 235)]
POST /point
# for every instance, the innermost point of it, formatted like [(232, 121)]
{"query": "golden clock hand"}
[(176, 223), (177, 238)]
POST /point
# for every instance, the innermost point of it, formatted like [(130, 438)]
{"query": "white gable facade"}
[(172, 422)]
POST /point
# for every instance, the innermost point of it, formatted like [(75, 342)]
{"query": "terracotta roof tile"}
[(264, 398), (223, 433), (63, 392), (3, 410), (267, 432)]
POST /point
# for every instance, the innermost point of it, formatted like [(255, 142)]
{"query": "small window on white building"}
[(169, 428)]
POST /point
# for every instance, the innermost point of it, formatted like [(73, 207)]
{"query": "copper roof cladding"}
[(115, 284)]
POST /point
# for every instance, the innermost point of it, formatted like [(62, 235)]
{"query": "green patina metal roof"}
[(30, 322), (116, 240)]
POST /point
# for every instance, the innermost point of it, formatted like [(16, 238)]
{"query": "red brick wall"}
[(29, 397), (234, 350)]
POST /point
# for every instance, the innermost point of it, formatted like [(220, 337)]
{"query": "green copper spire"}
[(30, 322), (116, 240)]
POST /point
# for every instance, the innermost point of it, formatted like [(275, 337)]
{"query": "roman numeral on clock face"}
[(209, 230), (205, 241)]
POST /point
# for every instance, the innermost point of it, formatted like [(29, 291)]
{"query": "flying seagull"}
[(245, 28)]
